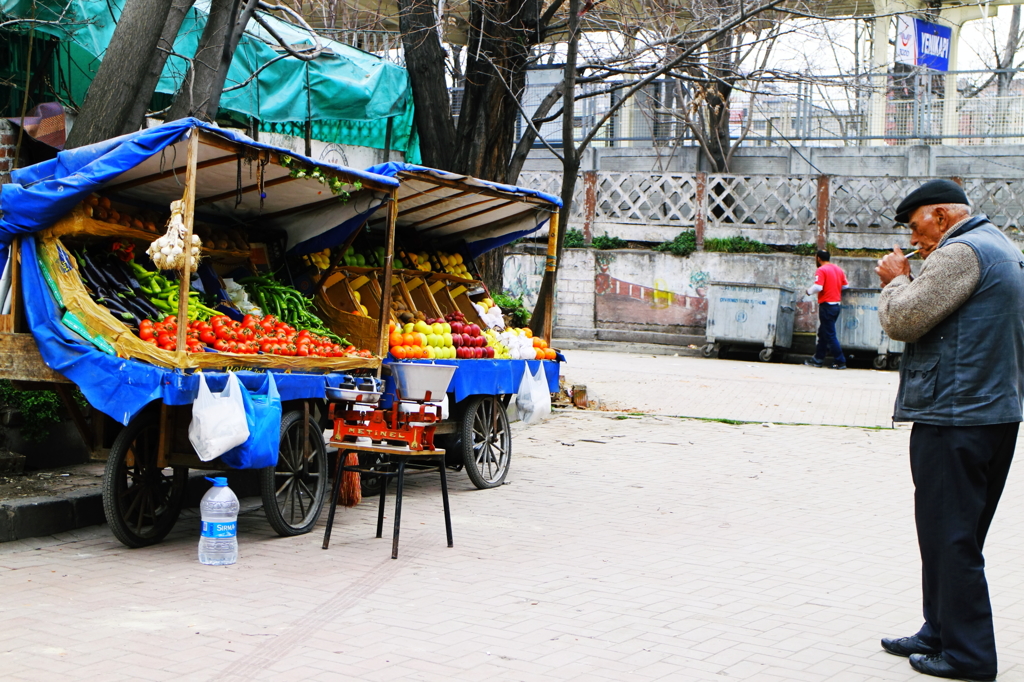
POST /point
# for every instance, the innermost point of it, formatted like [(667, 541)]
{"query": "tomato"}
[(207, 337), (165, 339), (171, 319), (249, 321), (245, 333), (152, 340), (146, 333), (221, 345)]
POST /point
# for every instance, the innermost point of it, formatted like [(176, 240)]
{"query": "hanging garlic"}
[(169, 251)]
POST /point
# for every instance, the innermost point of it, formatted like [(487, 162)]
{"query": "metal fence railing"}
[(894, 108)]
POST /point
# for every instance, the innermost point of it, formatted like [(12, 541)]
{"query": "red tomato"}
[(249, 321), (221, 345), (208, 337), (152, 340), (146, 333), (165, 339), (171, 319)]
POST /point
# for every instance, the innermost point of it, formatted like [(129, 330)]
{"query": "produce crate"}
[(452, 293), (419, 292), (108, 333)]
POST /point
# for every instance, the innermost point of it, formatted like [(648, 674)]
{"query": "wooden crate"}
[(419, 292), (452, 293)]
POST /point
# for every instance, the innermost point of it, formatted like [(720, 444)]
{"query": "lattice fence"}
[(779, 210)]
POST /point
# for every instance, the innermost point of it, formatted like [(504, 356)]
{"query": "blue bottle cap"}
[(218, 481)]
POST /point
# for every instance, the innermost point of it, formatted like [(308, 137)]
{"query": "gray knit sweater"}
[(910, 307)]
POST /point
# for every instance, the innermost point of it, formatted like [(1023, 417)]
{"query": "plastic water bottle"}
[(218, 544)]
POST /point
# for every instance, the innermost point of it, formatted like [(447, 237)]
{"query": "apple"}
[(437, 328), (446, 339), (489, 350), (457, 327), (407, 329), (474, 329), (421, 327), (446, 328), (457, 340)]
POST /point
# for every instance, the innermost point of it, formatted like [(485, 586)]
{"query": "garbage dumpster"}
[(860, 329), (750, 314)]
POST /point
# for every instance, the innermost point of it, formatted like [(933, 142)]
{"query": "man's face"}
[(927, 225)]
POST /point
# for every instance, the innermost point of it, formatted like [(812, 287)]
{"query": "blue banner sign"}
[(922, 43)]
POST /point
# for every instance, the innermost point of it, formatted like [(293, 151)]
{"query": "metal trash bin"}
[(860, 330), (750, 314)]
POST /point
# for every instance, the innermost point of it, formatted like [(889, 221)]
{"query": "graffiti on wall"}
[(635, 290), (522, 275)]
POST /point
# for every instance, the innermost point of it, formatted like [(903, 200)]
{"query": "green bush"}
[(606, 242), (805, 249), (40, 410), (683, 245), (574, 240), (514, 307), (736, 245)]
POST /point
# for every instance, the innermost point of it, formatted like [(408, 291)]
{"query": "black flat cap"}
[(928, 194)]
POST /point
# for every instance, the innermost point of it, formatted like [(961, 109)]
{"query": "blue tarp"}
[(488, 377), (41, 194)]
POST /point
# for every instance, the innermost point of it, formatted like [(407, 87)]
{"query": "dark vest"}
[(969, 369)]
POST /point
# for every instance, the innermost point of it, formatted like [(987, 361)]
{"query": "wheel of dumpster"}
[(880, 361), (140, 500), (766, 354), (708, 350), (486, 441), (294, 491), (894, 361)]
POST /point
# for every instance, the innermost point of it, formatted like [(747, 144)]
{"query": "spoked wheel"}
[(486, 441), (294, 491), (140, 500)]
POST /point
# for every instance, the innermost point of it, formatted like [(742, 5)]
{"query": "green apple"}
[(447, 340)]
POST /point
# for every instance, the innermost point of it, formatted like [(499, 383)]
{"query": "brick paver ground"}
[(742, 390), (623, 548)]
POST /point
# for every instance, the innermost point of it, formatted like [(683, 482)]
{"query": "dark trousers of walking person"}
[(828, 340), (959, 473)]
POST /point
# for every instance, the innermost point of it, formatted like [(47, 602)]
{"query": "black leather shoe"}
[(904, 646), (936, 666)]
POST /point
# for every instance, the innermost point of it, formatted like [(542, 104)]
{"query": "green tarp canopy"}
[(349, 93)]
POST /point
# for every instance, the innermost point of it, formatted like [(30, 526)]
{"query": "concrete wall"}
[(990, 161), (8, 142), (647, 296)]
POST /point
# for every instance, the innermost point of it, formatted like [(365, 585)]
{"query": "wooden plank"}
[(472, 215), (430, 204), (17, 311), (385, 277), (209, 163), (20, 360), (245, 190), (454, 210), (550, 267), (485, 191), (188, 214)]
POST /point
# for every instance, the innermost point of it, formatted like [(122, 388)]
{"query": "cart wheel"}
[(141, 502), (708, 350), (294, 491), (894, 361), (369, 484), (880, 361), (766, 354), (486, 441)]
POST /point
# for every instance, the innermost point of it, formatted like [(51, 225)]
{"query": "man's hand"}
[(892, 266)]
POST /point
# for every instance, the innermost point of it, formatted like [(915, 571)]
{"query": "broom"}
[(351, 488)]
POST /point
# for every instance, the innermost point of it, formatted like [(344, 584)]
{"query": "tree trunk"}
[(497, 54), (570, 171), (243, 9), (196, 91), (137, 118), (425, 62), (113, 93)]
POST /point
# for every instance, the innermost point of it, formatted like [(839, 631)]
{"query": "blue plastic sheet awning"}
[(148, 168), (453, 208)]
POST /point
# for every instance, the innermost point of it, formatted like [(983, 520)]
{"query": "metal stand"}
[(399, 458)]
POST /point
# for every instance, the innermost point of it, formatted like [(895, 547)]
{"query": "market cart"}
[(288, 220), (750, 314), (860, 329), (74, 304)]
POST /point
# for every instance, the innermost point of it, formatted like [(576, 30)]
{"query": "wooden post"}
[(824, 210), (589, 205), (700, 208), (386, 275), (550, 266), (188, 215)]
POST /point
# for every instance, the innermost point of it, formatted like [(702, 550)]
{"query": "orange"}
[(528, 332), (537, 342), (550, 354), (395, 339), (421, 339), (391, 327), (398, 352), (409, 339)]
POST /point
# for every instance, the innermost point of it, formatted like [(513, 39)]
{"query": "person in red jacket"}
[(829, 282)]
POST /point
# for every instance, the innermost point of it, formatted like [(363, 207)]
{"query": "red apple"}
[(489, 352), (474, 329), (480, 354)]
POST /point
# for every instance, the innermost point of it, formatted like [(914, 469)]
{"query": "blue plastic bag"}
[(263, 414)]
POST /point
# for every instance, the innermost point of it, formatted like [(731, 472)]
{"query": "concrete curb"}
[(32, 517)]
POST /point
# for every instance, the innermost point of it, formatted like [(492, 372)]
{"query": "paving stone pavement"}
[(623, 548), (735, 389)]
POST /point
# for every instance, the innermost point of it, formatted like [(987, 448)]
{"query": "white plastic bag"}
[(218, 419), (534, 401)]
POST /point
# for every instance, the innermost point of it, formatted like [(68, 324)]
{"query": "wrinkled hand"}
[(892, 266)]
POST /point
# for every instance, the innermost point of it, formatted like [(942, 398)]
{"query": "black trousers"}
[(959, 473)]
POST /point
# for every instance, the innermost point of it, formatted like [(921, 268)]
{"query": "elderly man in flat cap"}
[(962, 385)]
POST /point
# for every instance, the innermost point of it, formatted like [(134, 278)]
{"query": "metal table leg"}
[(334, 499)]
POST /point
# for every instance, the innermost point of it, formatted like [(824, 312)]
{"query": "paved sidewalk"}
[(624, 548), (734, 389)]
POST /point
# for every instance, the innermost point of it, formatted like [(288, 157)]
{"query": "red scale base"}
[(390, 427)]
